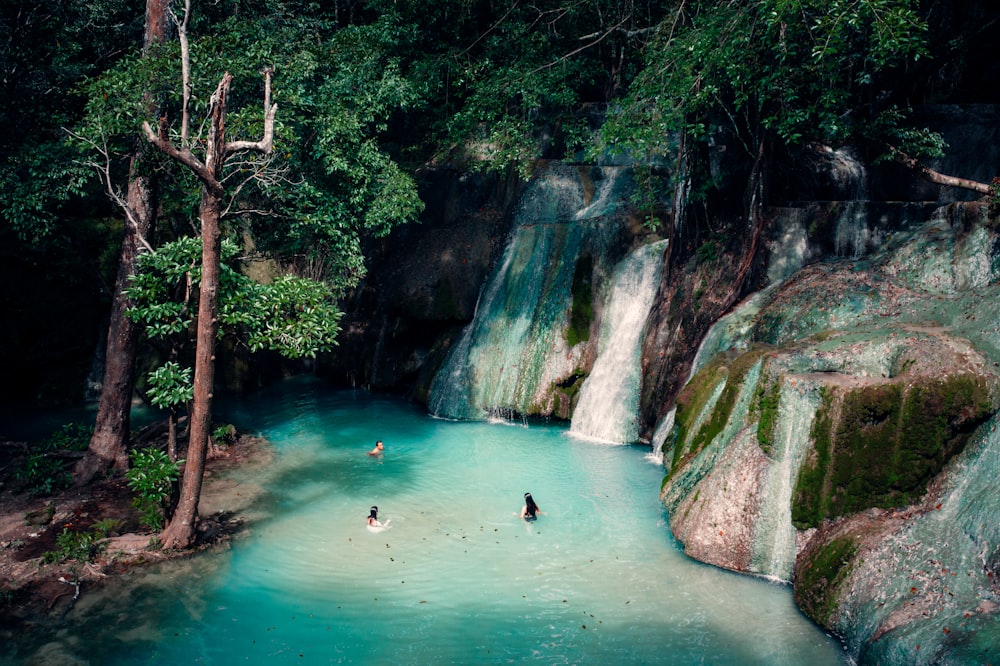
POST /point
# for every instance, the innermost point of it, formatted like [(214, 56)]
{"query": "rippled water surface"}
[(456, 577)]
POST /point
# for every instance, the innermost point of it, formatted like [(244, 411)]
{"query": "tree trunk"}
[(108, 447), (936, 177), (172, 435), (180, 532)]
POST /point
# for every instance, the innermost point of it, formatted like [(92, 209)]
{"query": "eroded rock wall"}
[(838, 434)]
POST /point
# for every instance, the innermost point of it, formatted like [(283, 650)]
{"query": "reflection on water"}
[(458, 578)]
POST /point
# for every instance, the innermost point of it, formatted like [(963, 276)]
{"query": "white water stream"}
[(608, 409)]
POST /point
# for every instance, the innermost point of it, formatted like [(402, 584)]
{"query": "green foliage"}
[(43, 475), (224, 435), (152, 479), (820, 576), (293, 316), (891, 127), (582, 309), (793, 70), (49, 47), (106, 527), (70, 437), (296, 317), (73, 545), (170, 385), (507, 79), (331, 180), (708, 251)]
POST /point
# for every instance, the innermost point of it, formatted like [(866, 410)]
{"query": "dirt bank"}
[(30, 526)]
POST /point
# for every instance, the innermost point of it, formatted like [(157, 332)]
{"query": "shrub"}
[(70, 545), (152, 479), (72, 437), (43, 475)]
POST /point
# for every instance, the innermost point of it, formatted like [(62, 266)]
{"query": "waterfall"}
[(774, 535), (852, 236), (662, 440), (608, 408), (509, 358)]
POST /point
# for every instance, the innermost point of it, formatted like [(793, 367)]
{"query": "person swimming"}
[(530, 510), (373, 518), (379, 448)]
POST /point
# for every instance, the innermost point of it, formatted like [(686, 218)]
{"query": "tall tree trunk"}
[(180, 532), (109, 445)]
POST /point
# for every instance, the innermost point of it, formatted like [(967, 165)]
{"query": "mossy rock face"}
[(693, 436), (766, 405), (819, 575), (582, 311), (880, 445)]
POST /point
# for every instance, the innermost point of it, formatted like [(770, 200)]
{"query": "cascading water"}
[(608, 409), (662, 440), (774, 536), (515, 350), (853, 235)]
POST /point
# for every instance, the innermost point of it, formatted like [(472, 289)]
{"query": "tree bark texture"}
[(180, 532), (108, 447)]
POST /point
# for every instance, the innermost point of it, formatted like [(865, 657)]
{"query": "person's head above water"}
[(374, 512), (529, 505)]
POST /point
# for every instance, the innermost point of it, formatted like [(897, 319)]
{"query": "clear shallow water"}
[(456, 577)]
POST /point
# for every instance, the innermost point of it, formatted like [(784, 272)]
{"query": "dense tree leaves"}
[(293, 316), (804, 70), (507, 81)]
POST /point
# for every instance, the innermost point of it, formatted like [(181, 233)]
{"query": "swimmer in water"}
[(530, 510), (379, 448), (373, 518)]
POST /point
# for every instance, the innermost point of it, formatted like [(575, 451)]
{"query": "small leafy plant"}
[(152, 480), (224, 435), (70, 545), (71, 436), (43, 475), (107, 527)]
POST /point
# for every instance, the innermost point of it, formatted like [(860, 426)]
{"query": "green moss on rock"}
[(692, 400), (582, 310), (766, 403), (880, 445), (820, 574)]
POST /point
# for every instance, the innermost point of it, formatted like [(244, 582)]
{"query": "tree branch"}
[(937, 177), (185, 71), (161, 140), (582, 48), (104, 172), (266, 143)]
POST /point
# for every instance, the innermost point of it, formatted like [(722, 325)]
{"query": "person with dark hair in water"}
[(373, 518), (530, 510), (379, 448)]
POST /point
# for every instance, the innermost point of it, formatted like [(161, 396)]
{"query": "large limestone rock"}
[(840, 433)]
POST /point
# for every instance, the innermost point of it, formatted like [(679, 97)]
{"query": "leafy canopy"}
[(293, 316), (796, 70)]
